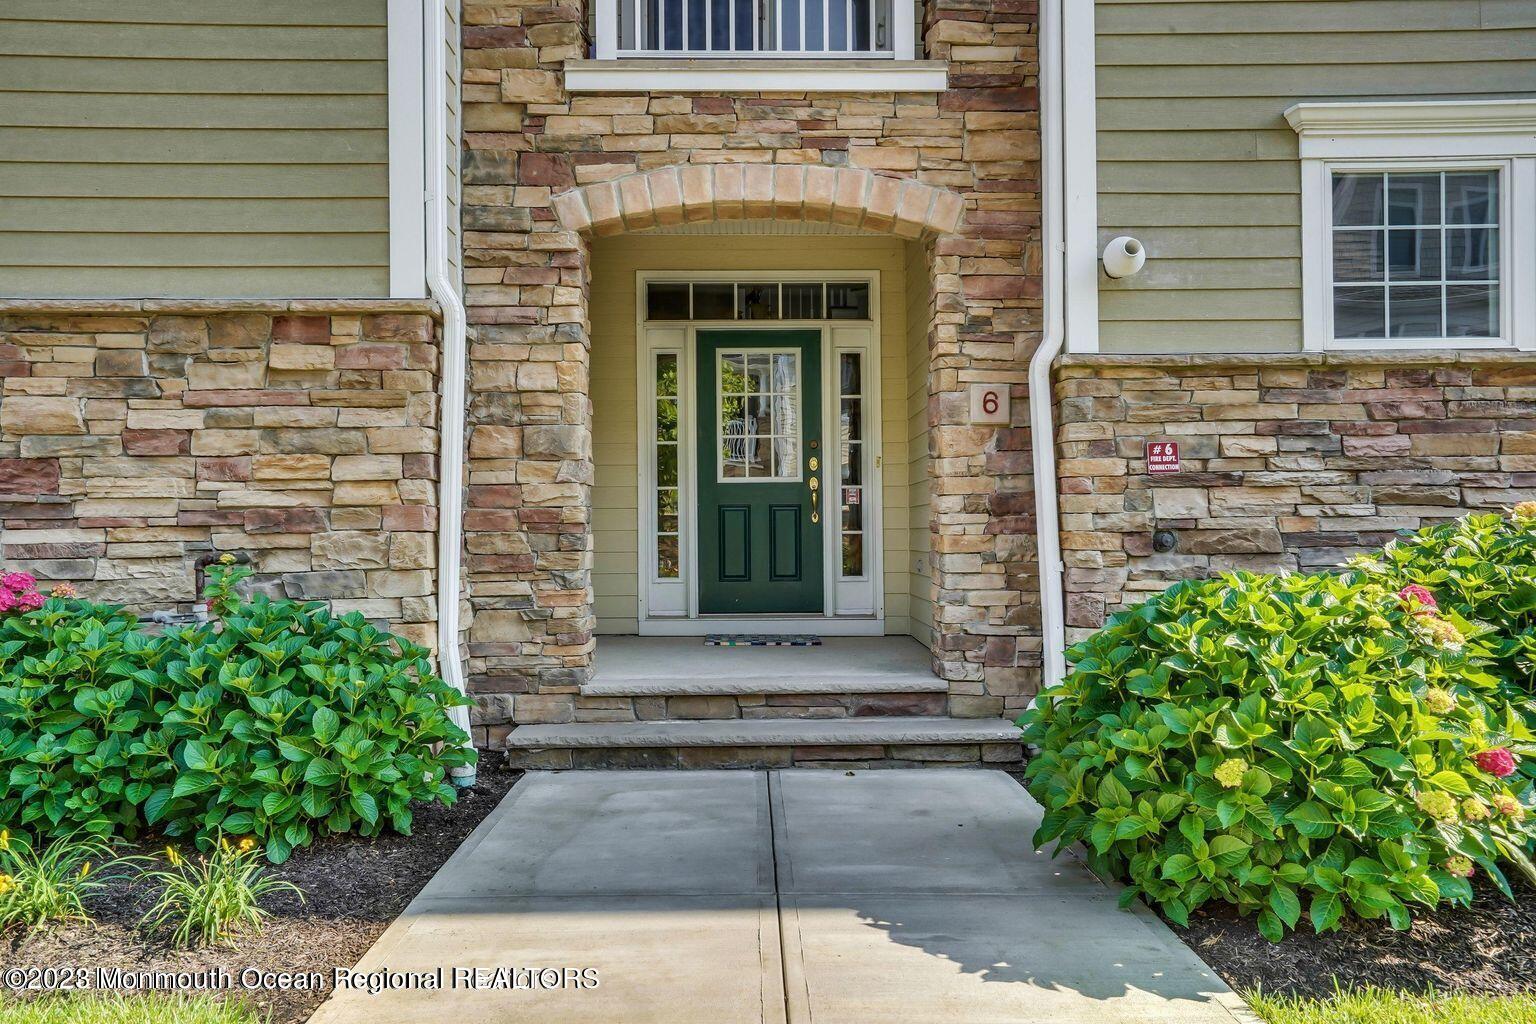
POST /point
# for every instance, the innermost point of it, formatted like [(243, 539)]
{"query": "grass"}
[(1378, 1006), (106, 1008)]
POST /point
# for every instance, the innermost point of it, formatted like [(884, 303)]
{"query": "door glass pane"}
[(802, 301), (850, 431), (666, 300), (667, 527), (714, 301), (853, 554), (848, 301), (759, 415), (757, 302)]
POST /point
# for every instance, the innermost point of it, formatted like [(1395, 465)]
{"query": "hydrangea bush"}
[(1483, 569), (1299, 746), (276, 720)]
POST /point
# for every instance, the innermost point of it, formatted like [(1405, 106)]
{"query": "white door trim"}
[(670, 607)]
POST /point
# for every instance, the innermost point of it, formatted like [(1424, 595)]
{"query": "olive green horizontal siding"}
[(1196, 159), (220, 148)]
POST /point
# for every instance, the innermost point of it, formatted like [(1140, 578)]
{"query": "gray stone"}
[(318, 586)]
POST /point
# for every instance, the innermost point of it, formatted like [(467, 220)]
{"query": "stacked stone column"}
[(530, 146)]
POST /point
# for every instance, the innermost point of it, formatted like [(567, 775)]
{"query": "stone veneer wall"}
[(528, 533), (135, 437), (1290, 462)]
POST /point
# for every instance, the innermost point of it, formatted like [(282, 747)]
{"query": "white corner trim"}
[(1078, 94), (756, 75), (407, 151)]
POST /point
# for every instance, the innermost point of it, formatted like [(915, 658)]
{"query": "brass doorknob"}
[(815, 463)]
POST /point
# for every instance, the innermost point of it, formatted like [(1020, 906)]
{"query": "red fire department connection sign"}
[(1162, 457)]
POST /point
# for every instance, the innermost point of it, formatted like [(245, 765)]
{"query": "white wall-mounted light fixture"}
[(1124, 256)]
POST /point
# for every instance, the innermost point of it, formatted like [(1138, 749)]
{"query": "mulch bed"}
[(353, 889), (1488, 948)]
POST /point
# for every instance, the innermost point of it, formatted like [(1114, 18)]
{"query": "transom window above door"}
[(757, 300), (759, 403)]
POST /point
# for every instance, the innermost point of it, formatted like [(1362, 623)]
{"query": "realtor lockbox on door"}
[(989, 405)]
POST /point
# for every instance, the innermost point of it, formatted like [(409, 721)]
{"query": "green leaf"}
[(1327, 909), (1451, 782), (364, 805), (1286, 904), (155, 804), (1270, 926), (198, 757), (325, 725), (1312, 820), (321, 772)]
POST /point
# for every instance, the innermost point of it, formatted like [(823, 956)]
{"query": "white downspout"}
[(443, 282), (1042, 426)]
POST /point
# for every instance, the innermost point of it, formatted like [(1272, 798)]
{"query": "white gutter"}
[(443, 282), (1042, 427)]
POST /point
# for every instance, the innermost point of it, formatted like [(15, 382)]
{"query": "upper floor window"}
[(1418, 224), (746, 28)]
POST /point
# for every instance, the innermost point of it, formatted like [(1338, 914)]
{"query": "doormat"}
[(762, 640)]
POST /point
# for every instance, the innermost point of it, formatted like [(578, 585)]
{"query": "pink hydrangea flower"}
[(17, 582), (7, 600), (1498, 762), (31, 601), (1420, 594)]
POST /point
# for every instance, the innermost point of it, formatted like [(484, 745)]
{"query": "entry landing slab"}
[(635, 666)]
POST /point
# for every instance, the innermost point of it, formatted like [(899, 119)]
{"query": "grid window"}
[(850, 429), (1416, 255), (756, 300), (668, 565), (759, 426)]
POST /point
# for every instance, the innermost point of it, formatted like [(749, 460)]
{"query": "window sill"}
[(758, 75), (1415, 344)]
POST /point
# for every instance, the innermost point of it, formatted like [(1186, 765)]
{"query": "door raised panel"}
[(784, 553)]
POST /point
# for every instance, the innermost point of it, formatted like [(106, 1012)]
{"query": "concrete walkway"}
[(786, 897)]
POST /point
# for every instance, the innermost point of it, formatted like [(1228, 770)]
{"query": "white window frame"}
[(669, 607), (750, 350), (1429, 136), (899, 69)]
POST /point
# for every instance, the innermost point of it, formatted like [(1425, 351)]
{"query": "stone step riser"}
[(850, 705), (843, 756)]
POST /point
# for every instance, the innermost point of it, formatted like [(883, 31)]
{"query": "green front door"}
[(760, 456)]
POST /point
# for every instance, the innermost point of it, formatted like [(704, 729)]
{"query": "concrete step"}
[(887, 741)]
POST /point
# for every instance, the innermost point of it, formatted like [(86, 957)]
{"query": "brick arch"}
[(693, 193)]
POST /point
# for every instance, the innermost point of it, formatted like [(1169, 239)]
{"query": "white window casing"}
[(757, 75), (668, 604), (1428, 137)]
